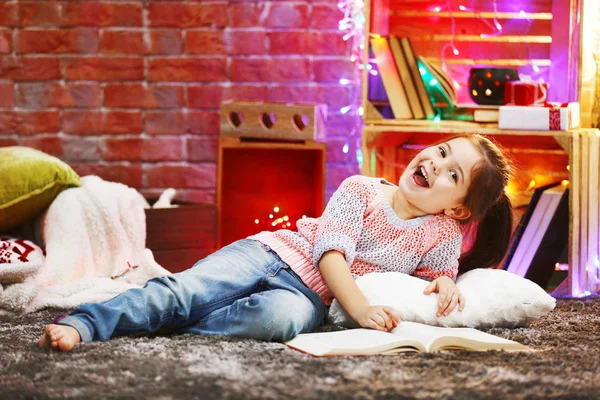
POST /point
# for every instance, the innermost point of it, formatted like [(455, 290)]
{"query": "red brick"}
[(203, 122), (57, 41), (127, 174), (335, 151), (29, 68), (247, 15), (181, 176), (161, 41), (333, 70), (187, 15), (165, 41), (8, 14), (245, 42), (102, 123), (336, 173), (204, 96), (55, 94), (166, 122), (177, 122), (104, 69), (245, 92), (202, 149), (5, 41), (7, 95), (302, 42), (136, 95), (38, 14), (325, 16), (294, 94), (188, 69), (211, 96), (81, 149), (270, 70), (335, 96), (287, 15), (139, 149), (102, 14), (48, 144), (123, 42), (204, 42), (29, 122), (340, 124)]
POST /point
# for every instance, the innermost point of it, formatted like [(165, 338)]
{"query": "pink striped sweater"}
[(360, 222)]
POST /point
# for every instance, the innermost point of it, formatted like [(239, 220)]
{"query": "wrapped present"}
[(550, 117), (525, 93)]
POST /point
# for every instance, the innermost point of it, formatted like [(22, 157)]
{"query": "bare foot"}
[(60, 337)]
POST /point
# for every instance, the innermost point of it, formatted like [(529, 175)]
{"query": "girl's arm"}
[(338, 278)]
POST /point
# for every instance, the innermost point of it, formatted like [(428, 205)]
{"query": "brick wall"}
[(129, 90)]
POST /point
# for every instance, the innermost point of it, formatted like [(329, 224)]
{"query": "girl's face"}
[(437, 179)]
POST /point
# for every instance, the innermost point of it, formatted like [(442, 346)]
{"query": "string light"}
[(276, 222), (353, 26)]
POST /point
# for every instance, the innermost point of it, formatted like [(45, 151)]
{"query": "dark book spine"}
[(553, 243)]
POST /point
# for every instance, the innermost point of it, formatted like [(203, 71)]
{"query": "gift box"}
[(525, 93), (550, 117)]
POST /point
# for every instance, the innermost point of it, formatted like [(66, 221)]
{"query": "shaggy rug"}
[(566, 366)]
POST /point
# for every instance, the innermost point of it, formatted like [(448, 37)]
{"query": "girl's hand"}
[(378, 317), (448, 295)]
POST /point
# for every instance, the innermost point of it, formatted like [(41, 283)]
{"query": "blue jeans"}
[(242, 290)]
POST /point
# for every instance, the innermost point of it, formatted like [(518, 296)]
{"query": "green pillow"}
[(29, 182)]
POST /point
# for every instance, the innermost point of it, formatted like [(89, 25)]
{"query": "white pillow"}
[(493, 298)]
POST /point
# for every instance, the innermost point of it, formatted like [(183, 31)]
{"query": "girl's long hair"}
[(491, 209)]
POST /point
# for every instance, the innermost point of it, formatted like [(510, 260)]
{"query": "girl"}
[(275, 285)]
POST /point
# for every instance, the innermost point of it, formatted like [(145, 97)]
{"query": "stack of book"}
[(415, 88)]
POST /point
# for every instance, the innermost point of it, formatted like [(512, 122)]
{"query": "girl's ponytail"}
[(492, 237)]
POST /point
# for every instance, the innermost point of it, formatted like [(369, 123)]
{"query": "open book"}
[(406, 337)]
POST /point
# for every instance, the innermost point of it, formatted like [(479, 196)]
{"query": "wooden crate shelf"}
[(389, 144)]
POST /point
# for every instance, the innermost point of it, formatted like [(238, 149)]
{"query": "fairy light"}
[(283, 220), (353, 27)]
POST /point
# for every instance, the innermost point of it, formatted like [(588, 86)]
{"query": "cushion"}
[(493, 298), (30, 181), (18, 259)]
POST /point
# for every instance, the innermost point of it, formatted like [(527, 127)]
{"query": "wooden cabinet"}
[(544, 156), (255, 176)]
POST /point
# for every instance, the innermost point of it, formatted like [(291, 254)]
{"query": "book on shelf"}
[(544, 214), (443, 90), (406, 337), (552, 245), (471, 112), (390, 78), (406, 78), (415, 73)]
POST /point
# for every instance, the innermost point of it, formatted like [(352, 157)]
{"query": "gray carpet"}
[(566, 366)]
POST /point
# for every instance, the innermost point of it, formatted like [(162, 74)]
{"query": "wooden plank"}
[(482, 50), (575, 207), (453, 127), (379, 17), (531, 6), (564, 53), (593, 255), (388, 158), (272, 120), (410, 25)]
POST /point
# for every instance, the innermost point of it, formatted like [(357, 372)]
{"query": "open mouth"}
[(420, 177)]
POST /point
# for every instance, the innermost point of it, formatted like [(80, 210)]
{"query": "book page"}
[(436, 338), (352, 342)]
